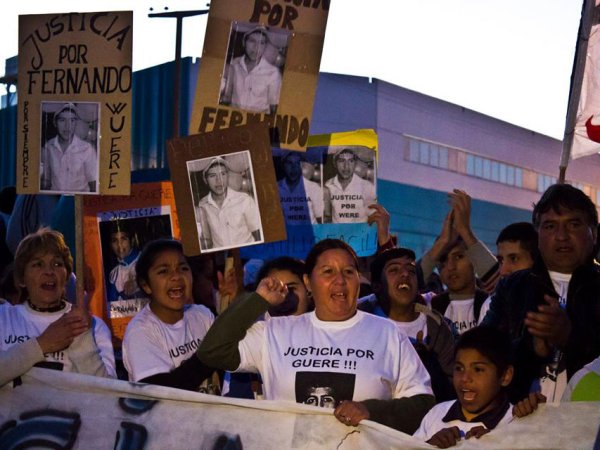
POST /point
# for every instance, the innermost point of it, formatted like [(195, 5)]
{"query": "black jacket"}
[(523, 291)]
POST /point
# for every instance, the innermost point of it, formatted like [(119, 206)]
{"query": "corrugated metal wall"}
[(152, 122)]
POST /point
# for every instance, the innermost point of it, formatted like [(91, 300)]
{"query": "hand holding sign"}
[(80, 311), (272, 290), (381, 217)]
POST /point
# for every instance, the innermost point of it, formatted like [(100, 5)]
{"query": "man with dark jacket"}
[(552, 311)]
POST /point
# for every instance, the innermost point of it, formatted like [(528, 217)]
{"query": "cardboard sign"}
[(75, 104), (325, 193), (225, 189), (261, 63), (116, 229)]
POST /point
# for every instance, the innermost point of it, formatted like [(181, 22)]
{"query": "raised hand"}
[(272, 290), (381, 217), (460, 202)]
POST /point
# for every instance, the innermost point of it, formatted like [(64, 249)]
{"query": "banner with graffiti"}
[(52, 409)]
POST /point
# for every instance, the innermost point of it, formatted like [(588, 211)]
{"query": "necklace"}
[(50, 309)]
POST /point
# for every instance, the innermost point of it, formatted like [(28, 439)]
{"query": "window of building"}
[(427, 153)]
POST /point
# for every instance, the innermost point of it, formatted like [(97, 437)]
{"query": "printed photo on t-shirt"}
[(324, 389)]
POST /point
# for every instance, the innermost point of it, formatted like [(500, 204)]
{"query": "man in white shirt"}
[(301, 199), (69, 164), (253, 83), (226, 217), (347, 196)]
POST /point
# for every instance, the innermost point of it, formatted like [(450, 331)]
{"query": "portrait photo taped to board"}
[(69, 157), (350, 176), (300, 185), (123, 234), (253, 67), (224, 196)]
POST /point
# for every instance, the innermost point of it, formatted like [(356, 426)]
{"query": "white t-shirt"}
[(412, 328), (554, 382), (306, 360), (485, 307), (461, 314), (20, 323), (433, 421), (151, 346)]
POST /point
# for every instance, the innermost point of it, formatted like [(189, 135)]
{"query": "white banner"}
[(83, 412)]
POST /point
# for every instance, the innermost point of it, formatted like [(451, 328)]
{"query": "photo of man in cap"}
[(252, 82), (68, 162), (347, 195), (301, 198), (226, 217)]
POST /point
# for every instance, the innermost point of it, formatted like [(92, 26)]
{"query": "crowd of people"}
[(446, 347)]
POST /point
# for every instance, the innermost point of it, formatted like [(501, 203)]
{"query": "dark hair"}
[(492, 343), (380, 261), (522, 232), (565, 196), (457, 242), (149, 254), (321, 247), (120, 226), (293, 265), (8, 196)]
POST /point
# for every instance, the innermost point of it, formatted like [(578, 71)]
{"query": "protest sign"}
[(261, 63), (75, 107), (325, 193), (225, 189), (116, 229)]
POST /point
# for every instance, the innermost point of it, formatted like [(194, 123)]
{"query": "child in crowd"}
[(161, 340), (482, 371)]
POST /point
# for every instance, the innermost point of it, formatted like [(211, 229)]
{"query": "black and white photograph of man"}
[(254, 66), (69, 156), (300, 187), (224, 193), (351, 186)]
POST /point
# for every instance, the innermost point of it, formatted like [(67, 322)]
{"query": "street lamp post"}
[(179, 15)]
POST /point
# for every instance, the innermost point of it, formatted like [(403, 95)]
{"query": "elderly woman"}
[(46, 330), (335, 356)]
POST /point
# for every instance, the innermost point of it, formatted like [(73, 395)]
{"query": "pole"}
[(588, 17), (179, 15)]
